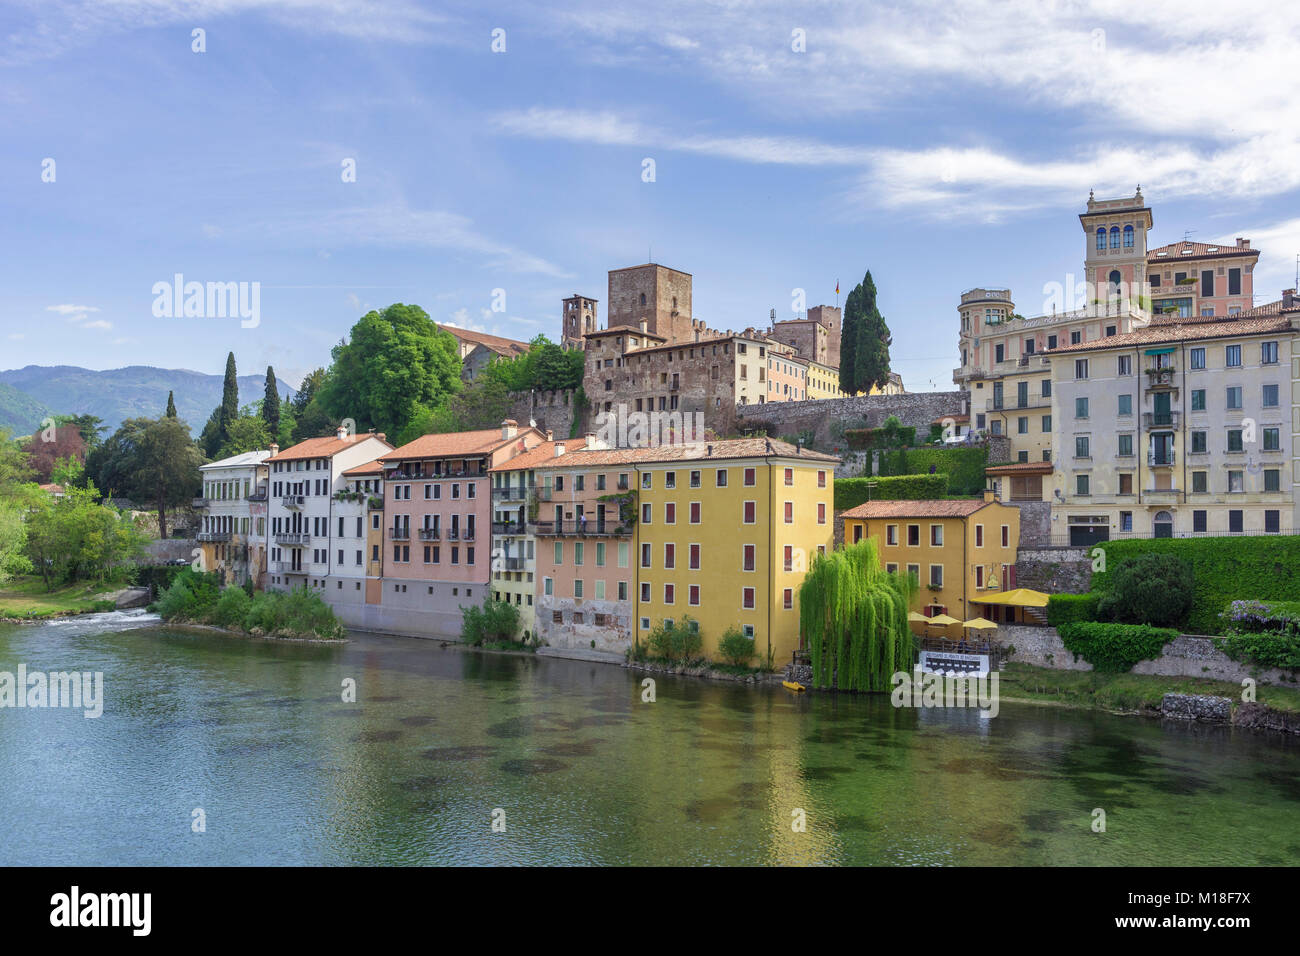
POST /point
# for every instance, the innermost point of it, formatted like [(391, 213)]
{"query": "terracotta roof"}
[(453, 444), (932, 508), (1182, 330), (624, 330), (718, 450), (1197, 250), (682, 345), (1021, 468), (541, 455), (375, 467), (496, 343), (325, 447), (950, 418)]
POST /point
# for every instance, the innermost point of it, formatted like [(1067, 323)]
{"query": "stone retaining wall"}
[(916, 409), (1052, 570)]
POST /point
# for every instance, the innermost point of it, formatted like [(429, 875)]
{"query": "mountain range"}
[(27, 395)]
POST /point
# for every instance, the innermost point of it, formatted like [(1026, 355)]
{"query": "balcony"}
[(199, 503), (512, 493), (589, 529), (509, 527), (375, 503), (293, 501), (400, 534), (259, 494), (1160, 459), (1163, 420), (430, 534), (515, 564), (1163, 496), (285, 567), (1160, 377), (293, 538), (213, 536)]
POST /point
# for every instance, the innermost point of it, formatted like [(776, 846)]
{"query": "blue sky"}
[(940, 145)]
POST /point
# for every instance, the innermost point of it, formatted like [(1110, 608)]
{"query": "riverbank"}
[(258, 634), (25, 599)]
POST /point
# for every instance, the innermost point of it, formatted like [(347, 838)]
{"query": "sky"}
[(484, 160)]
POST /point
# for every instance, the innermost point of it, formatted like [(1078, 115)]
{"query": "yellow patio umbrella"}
[(942, 619), (917, 617), (980, 624)]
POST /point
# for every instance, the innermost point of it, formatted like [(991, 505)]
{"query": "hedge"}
[(851, 492), (1263, 568), (860, 439), (963, 466), (1114, 648), (1068, 608)]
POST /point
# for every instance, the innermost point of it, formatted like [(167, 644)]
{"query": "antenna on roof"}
[(1187, 233)]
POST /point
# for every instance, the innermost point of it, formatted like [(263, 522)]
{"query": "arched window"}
[(1101, 239), (1115, 280), (1114, 237), (1163, 525), (1128, 237)]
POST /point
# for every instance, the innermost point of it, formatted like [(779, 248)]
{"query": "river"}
[(253, 740)]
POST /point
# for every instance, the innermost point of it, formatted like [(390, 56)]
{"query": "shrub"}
[(679, 641), (494, 621), (232, 608), (1264, 634), (191, 596), (1065, 608), (861, 439), (1114, 648), (735, 647), (963, 466), (851, 492), (196, 596), (1263, 567), (1149, 589)]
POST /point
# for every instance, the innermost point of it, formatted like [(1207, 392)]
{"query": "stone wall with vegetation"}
[(1053, 570), (552, 410), (819, 416)]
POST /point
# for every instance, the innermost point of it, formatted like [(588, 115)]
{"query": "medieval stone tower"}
[(579, 319), (655, 293)]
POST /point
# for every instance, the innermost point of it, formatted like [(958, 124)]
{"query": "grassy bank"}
[(1128, 692), (25, 598)]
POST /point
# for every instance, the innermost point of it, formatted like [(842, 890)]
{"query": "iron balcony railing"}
[(583, 528), (430, 534), (512, 492), (211, 536), (293, 501), (1161, 419), (292, 538), (400, 534), (1158, 459), (509, 527)]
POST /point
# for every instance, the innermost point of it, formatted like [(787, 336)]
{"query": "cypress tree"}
[(229, 398), (171, 406), (271, 403), (864, 341)]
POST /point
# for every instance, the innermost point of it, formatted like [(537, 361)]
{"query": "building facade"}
[(232, 530)]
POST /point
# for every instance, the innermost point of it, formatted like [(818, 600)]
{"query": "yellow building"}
[(960, 552), (725, 533)]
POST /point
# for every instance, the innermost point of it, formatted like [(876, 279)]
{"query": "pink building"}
[(437, 538)]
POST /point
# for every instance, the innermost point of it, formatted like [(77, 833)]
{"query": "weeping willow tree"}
[(853, 615)]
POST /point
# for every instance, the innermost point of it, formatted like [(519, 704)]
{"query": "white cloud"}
[(73, 310), (97, 324)]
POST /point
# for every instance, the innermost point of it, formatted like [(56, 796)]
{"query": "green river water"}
[(256, 735)]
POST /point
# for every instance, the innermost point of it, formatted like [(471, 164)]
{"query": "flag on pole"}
[(837, 286)]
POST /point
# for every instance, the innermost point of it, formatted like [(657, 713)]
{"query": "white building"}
[(303, 481), (232, 531)]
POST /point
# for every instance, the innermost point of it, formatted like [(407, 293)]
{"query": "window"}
[(645, 555), (891, 534), (1080, 368), (1101, 239), (936, 575), (979, 536), (1272, 479), (645, 592), (1081, 407), (695, 479), (694, 554), (787, 599), (747, 598), (1199, 523), (1199, 443), (1080, 484), (1075, 339), (1198, 399), (749, 512), (1234, 439), (1125, 483), (1197, 356), (1051, 341), (670, 594), (1006, 536), (670, 513), (1126, 521), (1268, 353), (1114, 237), (789, 477), (1022, 425), (1269, 399), (913, 535), (1081, 449), (821, 479), (749, 477), (1236, 482), (1272, 522), (1125, 405), (1125, 446), (1272, 439), (1125, 365), (1234, 397), (1047, 426), (1232, 356), (670, 555), (1235, 524), (1207, 284), (720, 479), (788, 556), (1234, 282), (647, 512), (936, 535), (821, 512), (1200, 482), (693, 595), (695, 512)]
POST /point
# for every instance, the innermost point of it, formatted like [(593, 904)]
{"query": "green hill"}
[(19, 412)]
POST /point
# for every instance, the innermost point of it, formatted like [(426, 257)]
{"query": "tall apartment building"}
[(1187, 426), (516, 505), (438, 509), (356, 545), (303, 481), (720, 531), (232, 531)]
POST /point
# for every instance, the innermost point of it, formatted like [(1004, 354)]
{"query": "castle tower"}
[(579, 319), (656, 294), (1115, 257), (830, 318)]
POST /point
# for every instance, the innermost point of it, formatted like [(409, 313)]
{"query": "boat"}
[(791, 685)]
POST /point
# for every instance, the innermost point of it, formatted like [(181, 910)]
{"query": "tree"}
[(864, 341), (247, 433), (853, 615), (151, 460), (1149, 588), (64, 442), (89, 425), (229, 397), (171, 406), (393, 362), (307, 390), (271, 403)]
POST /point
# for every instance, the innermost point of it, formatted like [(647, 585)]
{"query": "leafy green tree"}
[(171, 406), (210, 438), (151, 460), (1149, 588), (89, 425), (393, 362), (271, 403), (247, 433), (864, 341), (13, 539), (74, 537), (307, 390)]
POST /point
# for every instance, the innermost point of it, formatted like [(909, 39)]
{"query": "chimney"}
[(989, 495), (509, 428), (381, 436), (1289, 300), (643, 326), (342, 433), (1243, 243), (549, 435), (559, 449), (275, 449)]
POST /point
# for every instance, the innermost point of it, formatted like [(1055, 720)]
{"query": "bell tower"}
[(1115, 253)]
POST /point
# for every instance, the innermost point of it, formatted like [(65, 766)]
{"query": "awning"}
[(1161, 351), (980, 624), (917, 617), (942, 619), (1020, 597)]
